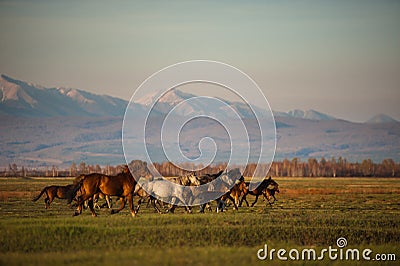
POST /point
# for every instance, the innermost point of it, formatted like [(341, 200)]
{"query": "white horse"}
[(167, 191)]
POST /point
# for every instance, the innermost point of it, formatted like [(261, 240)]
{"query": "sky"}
[(338, 57)]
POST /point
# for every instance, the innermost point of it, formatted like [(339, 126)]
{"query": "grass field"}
[(310, 213)]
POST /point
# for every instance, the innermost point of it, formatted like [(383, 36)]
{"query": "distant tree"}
[(97, 168), (388, 168), (82, 168), (23, 171), (333, 166), (367, 167), (73, 170), (322, 167), (13, 169), (313, 167)]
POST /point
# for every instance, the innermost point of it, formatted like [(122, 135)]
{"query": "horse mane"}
[(215, 175)]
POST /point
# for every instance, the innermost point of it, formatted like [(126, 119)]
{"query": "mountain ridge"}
[(21, 98), (93, 134)]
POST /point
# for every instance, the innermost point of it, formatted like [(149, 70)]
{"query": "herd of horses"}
[(87, 189)]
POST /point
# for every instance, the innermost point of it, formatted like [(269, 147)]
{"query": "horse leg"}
[(233, 201), (96, 201), (220, 205), (148, 202), (153, 200), (202, 207), (90, 204), (243, 199), (109, 201), (50, 199), (255, 201), (267, 197), (247, 203), (173, 203), (79, 206), (274, 198), (122, 205), (129, 198), (46, 202), (237, 200), (81, 200), (188, 209)]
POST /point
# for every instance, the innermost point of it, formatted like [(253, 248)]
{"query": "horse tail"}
[(41, 193)]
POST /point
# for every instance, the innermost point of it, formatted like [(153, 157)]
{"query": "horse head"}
[(139, 169), (231, 176)]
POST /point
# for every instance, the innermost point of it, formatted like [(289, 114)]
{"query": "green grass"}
[(309, 213)]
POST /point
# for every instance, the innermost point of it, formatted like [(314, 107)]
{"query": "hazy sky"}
[(338, 57)]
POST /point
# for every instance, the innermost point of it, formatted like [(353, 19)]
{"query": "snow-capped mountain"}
[(310, 114), (174, 97), (307, 114), (381, 118), (25, 99)]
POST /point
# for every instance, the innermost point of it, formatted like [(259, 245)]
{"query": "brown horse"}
[(122, 185), (260, 190), (238, 190), (270, 194), (62, 192)]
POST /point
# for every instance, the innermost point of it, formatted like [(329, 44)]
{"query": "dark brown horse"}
[(61, 192), (260, 190), (122, 185)]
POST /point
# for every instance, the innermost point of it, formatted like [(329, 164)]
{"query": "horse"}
[(238, 190), (224, 184), (62, 192), (260, 190), (270, 194), (121, 185), (136, 166), (161, 188)]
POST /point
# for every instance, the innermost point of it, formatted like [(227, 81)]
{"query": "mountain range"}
[(57, 126), (19, 98)]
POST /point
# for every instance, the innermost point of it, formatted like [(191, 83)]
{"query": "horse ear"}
[(269, 178)]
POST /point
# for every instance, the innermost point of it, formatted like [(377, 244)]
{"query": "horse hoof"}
[(94, 215), (75, 214), (112, 211)]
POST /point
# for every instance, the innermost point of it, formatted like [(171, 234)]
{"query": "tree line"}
[(295, 167)]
